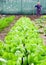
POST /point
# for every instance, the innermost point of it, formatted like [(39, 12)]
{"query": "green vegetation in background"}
[(41, 21), (4, 22), (45, 31), (23, 46), (41, 24), (43, 17)]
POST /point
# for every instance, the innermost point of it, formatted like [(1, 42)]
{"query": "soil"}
[(7, 29)]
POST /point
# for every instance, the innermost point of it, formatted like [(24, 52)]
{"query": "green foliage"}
[(41, 21), (45, 31), (43, 17), (4, 22), (23, 46)]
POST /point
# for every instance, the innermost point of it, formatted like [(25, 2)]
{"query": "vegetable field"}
[(23, 40)]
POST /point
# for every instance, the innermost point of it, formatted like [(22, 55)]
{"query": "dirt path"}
[(6, 30)]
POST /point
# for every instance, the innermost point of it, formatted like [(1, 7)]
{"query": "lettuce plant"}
[(4, 22), (23, 46)]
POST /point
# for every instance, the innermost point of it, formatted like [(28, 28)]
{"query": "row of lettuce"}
[(41, 24), (5, 21), (22, 45)]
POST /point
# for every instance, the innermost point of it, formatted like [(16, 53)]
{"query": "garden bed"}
[(23, 45), (7, 29)]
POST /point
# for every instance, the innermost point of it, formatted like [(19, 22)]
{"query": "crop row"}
[(4, 22), (22, 45)]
